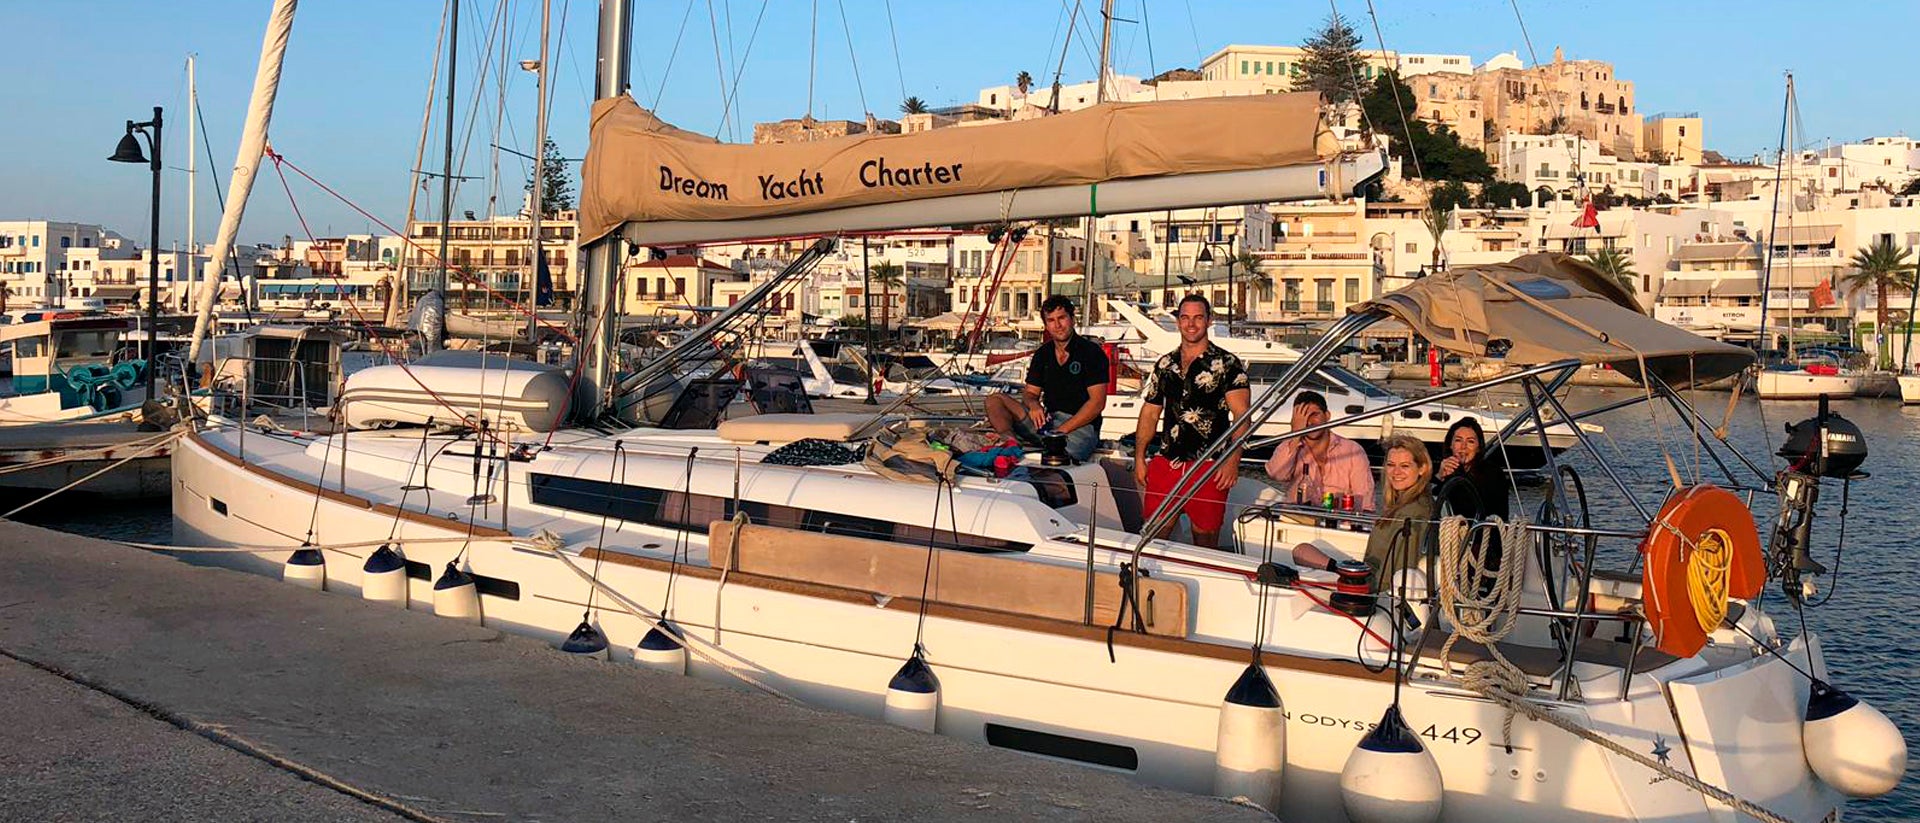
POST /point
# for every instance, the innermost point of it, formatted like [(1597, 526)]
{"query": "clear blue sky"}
[(356, 77)]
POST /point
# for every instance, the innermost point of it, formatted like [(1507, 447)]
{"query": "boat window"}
[(674, 510), (843, 373), (86, 345), (27, 347), (1054, 486), (1358, 384), (1058, 745)]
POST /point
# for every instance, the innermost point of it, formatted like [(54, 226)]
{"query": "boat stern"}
[(1742, 727)]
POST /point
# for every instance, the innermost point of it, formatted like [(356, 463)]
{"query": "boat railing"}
[(280, 387)]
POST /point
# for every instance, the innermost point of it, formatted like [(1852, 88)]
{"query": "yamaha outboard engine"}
[(1825, 445)]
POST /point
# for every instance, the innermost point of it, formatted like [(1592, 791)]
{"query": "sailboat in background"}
[(1803, 375)]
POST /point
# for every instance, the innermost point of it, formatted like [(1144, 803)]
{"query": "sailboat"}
[(1802, 375), (1033, 612)]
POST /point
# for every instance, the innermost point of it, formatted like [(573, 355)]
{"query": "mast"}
[(193, 273), (402, 290), (539, 179), (1099, 96), (246, 164), (1773, 219), (438, 326), (600, 277)]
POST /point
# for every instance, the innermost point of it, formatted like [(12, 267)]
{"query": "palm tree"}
[(1882, 266), (1438, 220), (887, 276), (1616, 264), (913, 105), (1023, 81), (1248, 264)]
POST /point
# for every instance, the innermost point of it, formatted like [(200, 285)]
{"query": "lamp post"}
[(1206, 256), (129, 152)]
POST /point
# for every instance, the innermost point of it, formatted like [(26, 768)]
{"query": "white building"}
[(1414, 65), (33, 253)]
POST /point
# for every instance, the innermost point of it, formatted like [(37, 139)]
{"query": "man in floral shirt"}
[(1200, 389)]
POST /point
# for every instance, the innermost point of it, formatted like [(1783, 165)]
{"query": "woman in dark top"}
[(1485, 473)]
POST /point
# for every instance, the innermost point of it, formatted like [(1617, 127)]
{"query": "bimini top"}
[(1542, 308), (640, 169)]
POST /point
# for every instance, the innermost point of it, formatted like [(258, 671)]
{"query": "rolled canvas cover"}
[(639, 168), (1543, 308)]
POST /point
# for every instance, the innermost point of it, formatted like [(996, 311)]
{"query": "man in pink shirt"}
[(1309, 467)]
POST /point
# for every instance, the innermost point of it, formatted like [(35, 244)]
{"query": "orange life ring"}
[(1701, 551)]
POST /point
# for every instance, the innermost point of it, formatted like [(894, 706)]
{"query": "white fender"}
[(662, 650), (383, 578), (913, 697), (1851, 745), (306, 568), (1391, 777), (456, 596), (1251, 752)]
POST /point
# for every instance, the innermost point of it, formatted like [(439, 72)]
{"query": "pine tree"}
[(1332, 65), (557, 194)]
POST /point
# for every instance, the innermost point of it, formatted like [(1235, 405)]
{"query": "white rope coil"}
[(1483, 605)]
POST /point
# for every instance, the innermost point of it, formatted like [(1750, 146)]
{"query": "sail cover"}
[(1543, 308), (640, 169)]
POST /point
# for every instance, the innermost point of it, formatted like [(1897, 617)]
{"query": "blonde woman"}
[(1405, 515)]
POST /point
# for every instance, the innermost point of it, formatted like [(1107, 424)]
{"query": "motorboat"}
[(70, 365), (1808, 378)]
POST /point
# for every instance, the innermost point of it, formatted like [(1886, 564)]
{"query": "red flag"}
[(1823, 295), (1589, 217)]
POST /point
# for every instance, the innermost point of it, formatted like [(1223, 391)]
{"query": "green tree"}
[(1023, 81), (1332, 64), (1556, 124), (1389, 107), (913, 105), (1912, 187), (1502, 194), (1451, 195), (888, 276), (1881, 266), (1615, 263), (557, 193)]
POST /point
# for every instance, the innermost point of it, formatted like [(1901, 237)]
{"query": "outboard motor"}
[(1825, 445)]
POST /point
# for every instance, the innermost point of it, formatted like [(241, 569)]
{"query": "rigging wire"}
[(813, 52), (858, 85), (1153, 66), (1406, 128), (1199, 55), (733, 99), (671, 57), (720, 71), (894, 36)]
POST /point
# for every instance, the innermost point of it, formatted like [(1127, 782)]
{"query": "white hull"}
[(1799, 385), (24, 410), (1910, 389), (1152, 710)]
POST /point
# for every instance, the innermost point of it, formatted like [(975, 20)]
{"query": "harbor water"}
[(1870, 625)]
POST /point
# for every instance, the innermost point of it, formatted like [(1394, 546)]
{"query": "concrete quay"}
[(139, 686)]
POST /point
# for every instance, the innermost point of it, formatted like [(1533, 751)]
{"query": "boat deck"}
[(112, 651)]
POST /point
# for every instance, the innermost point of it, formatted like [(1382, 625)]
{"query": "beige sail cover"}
[(639, 168), (1542, 308)]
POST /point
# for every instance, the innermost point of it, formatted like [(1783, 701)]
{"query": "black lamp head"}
[(1206, 255), (129, 150)]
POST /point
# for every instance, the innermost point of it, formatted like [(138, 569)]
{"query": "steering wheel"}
[(1450, 491), (1565, 506)]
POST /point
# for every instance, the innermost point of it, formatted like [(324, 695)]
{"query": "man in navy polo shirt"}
[(1066, 388)]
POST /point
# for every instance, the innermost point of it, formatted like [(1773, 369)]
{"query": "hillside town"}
[(1572, 164)]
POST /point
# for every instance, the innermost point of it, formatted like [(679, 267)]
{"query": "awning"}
[(1806, 235), (640, 169), (1685, 288), (1737, 287), (1543, 308), (1716, 251)]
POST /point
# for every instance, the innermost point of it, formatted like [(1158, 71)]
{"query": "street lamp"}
[(1206, 256), (129, 152)]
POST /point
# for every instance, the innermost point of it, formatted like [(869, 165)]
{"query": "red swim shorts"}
[(1206, 510)]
